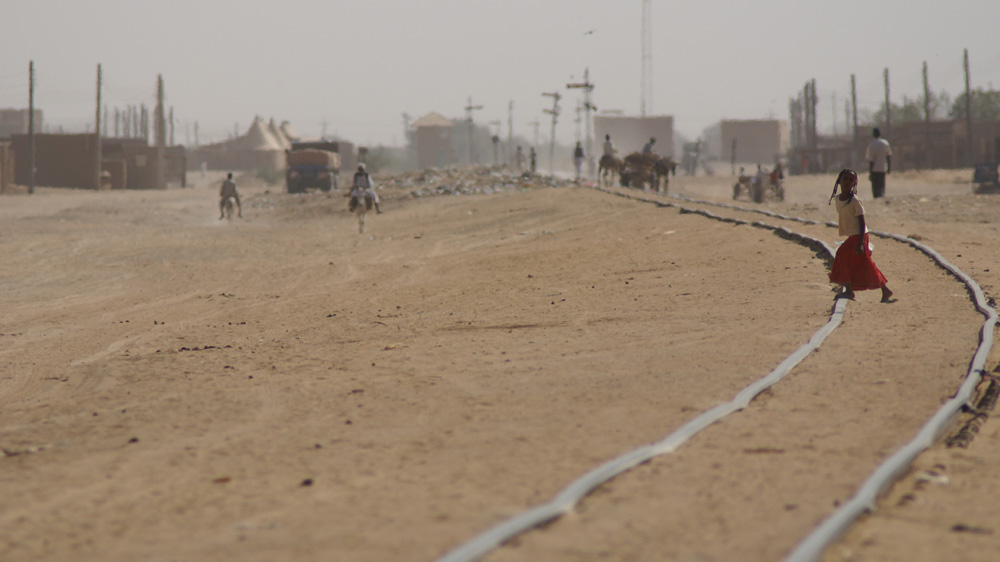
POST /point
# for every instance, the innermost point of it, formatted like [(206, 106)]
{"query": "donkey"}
[(361, 203), (607, 168)]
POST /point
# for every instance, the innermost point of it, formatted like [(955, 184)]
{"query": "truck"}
[(312, 164)]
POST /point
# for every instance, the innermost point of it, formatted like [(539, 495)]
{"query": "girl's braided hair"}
[(845, 173)]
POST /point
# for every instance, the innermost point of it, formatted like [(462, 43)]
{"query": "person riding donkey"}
[(363, 186), (227, 192)]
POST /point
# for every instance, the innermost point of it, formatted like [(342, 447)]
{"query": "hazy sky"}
[(360, 65)]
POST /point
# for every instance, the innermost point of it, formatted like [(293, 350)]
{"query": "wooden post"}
[(856, 156), (970, 154), (815, 128), (833, 108), (510, 134), (847, 117), (927, 119), (468, 110), (97, 134), (732, 157), (554, 112), (888, 107), (160, 132), (31, 127)]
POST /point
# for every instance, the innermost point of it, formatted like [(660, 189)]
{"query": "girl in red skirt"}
[(853, 266)]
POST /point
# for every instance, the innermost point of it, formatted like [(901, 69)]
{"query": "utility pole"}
[(888, 106), (855, 154), (833, 108), (732, 157), (554, 112), (646, 101), (587, 88), (847, 117), (578, 120), (468, 120), (510, 133), (159, 124), (927, 119), (970, 154), (171, 126), (97, 134), (406, 130), (495, 139), (31, 127), (814, 101), (534, 125)]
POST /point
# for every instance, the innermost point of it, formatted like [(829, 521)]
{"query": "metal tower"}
[(646, 100)]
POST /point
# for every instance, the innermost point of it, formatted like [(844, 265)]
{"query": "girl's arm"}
[(861, 239)]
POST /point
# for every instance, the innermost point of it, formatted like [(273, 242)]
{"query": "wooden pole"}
[(888, 106), (510, 133), (815, 128), (97, 134), (732, 157), (970, 153), (927, 120), (31, 127), (833, 108), (159, 126), (791, 122), (847, 117), (554, 112), (856, 155)]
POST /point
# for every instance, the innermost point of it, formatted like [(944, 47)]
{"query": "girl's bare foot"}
[(886, 294)]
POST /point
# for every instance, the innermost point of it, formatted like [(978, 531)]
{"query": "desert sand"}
[(281, 387)]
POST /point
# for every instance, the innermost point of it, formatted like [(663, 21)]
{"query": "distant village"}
[(134, 157)]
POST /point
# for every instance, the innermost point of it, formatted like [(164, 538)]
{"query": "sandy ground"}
[(175, 387)]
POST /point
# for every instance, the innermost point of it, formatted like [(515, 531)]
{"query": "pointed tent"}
[(289, 133), (258, 137), (278, 135)]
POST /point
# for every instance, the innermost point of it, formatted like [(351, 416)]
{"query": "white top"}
[(848, 213), (878, 151), (609, 149)]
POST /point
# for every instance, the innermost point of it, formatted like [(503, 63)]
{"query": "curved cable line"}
[(567, 499)]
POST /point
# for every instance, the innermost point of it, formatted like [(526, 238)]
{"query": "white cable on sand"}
[(566, 500), (812, 547)]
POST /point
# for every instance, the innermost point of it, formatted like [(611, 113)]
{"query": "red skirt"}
[(856, 270)]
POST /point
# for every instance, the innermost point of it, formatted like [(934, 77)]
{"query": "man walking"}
[(578, 158), (879, 157)]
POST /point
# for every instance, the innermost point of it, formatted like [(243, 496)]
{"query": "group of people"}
[(362, 187), (852, 268)]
